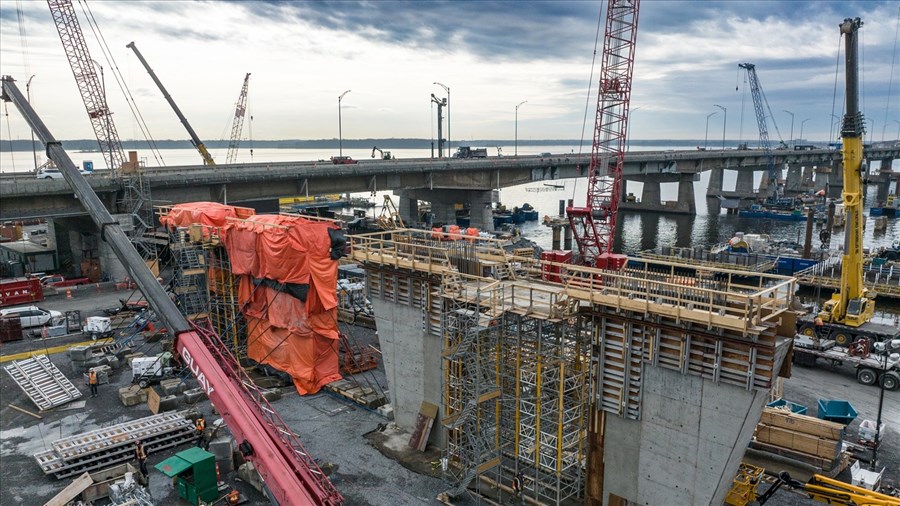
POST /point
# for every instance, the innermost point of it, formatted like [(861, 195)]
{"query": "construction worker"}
[(819, 327), (141, 455), (200, 425), (92, 381), (517, 484)]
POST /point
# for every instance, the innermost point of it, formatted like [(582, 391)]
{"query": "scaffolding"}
[(189, 280), (527, 360), (224, 308)]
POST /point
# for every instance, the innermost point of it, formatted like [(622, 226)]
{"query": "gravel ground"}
[(336, 431)]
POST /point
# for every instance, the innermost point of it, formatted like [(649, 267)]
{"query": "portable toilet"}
[(194, 474)]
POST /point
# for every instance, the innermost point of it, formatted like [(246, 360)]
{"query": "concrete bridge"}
[(443, 182)]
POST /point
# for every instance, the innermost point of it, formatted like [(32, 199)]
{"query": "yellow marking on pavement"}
[(50, 351)]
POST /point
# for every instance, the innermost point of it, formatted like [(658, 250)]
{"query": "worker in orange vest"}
[(92, 381), (200, 425), (141, 455)]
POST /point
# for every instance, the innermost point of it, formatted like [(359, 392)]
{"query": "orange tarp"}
[(312, 360), (208, 214), (295, 336)]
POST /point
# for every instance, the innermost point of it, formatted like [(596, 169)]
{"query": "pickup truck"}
[(57, 281), (343, 160)]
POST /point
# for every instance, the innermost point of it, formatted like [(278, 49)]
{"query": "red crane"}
[(237, 126), (594, 225), (92, 92)]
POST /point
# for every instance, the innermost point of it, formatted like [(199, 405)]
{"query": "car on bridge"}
[(342, 160), (54, 173)]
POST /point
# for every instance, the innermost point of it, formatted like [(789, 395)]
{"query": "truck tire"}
[(143, 383), (94, 336), (841, 338), (866, 376), (808, 330), (890, 381)]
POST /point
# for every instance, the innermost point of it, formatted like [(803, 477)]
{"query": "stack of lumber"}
[(799, 437)]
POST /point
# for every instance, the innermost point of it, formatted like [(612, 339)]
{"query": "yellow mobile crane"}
[(195, 140), (846, 317)]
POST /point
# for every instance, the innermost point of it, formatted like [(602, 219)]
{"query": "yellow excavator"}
[(819, 488)]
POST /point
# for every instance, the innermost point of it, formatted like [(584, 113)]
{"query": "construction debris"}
[(21, 410), (42, 382), (102, 447), (357, 393)]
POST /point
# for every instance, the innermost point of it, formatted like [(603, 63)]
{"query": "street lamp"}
[(801, 127), (516, 147), (792, 124), (706, 136), (33, 149), (447, 89), (724, 122), (629, 125), (340, 133)]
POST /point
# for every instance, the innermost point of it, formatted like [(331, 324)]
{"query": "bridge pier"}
[(884, 181), (686, 194), (808, 184), (821, 180), (794, 183), (651, 193), (744, 182), (444, 203), (836, 180)]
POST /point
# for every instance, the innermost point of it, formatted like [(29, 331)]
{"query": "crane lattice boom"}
[(594, 224), (88, 82), (237, 126), (758, 97)]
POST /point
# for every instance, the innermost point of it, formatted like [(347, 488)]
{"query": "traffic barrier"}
[(68, 293)]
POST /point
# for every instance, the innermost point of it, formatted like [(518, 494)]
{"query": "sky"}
[(492, 55)]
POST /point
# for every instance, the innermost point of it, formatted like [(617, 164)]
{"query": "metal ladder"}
[(42, 382)]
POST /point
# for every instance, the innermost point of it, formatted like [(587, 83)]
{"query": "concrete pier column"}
[(624, 192), (651, 193), (686, 199), (715, 181), (808, 183), (444, 212), (480, 214), (408, 207), (744, 184), (109, 262), (821, 178), (836, 180), (794, 183)]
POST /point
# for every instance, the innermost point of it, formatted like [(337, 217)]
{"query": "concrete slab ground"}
[(332, 430)]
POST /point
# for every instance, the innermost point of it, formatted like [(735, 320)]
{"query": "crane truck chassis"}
[(290, 475)]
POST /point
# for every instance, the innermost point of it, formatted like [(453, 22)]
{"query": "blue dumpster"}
[(836, 411), (800, 409)]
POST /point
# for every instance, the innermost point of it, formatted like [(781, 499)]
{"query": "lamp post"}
[(706, 136), (628, 136), (340, 132), (447, 89), (792, 124), (33, 149), (516, 147), (724, 122), (801, 127)]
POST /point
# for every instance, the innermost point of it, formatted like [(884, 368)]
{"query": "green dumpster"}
[(194, 474)]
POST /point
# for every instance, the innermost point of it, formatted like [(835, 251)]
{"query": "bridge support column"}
[(836, 180), (794, 184), (744, 184), (884, 180), (408, 208), (444, 203), (686, 194), (651, 193), (715, 180), (808, 184), (822, 178)]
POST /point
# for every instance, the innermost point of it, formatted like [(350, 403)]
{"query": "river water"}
[(637, 231)]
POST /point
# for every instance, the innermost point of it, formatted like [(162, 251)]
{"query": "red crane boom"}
[(92, 92), (594, 225)]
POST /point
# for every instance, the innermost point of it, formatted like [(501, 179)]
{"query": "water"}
[(637, 231)]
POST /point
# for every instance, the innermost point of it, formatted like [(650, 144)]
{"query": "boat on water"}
[(760, 212), (890, 208), (754, 253)]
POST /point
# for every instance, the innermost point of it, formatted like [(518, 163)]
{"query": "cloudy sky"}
[(492, 54)]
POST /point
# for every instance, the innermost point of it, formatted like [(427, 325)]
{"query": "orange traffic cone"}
[(68, 293)]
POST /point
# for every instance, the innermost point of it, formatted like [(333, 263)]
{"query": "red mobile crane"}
[(290, 474), (594, 225)]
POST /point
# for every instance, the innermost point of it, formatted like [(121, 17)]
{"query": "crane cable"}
[(120, 81), (587, 98), (837, 65), (887, 106)]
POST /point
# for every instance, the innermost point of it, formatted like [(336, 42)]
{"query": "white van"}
[(31, 316)]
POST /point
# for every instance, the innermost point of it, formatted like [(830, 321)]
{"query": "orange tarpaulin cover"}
[(209, 214), (295, 336)]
